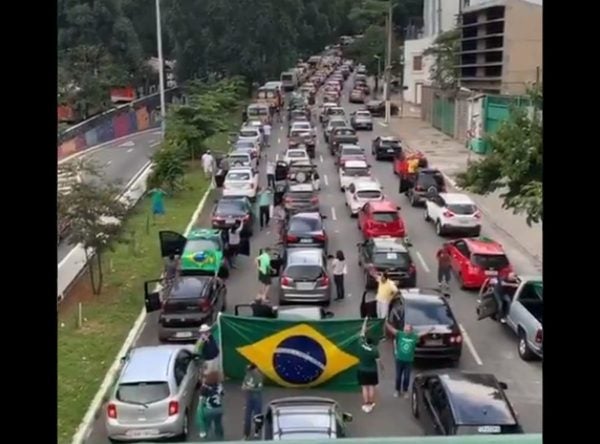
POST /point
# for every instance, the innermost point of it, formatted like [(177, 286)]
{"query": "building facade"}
[(501, 45), (438, 16)]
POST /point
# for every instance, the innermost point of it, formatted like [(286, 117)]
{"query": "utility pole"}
[(388, 67), (378, 58), (161, 71)]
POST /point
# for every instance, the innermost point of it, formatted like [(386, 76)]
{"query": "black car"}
[(428, 181), (463, 404), (185, 304), (388, 254), (387, 147), (305, 230), (302, 418), (342, 135), (377, 108), (228, 210)]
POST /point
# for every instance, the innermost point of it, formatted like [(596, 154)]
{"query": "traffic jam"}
[(344, 211)]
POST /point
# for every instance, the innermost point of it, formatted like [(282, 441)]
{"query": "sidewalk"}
[(451, 157)]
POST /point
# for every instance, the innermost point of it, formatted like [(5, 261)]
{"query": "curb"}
[(84, 429)]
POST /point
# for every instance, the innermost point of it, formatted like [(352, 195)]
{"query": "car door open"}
[(171, 243), (152, 290)]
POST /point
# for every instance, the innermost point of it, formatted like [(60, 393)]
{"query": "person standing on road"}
[(252, 386), (405, 343), (208, 349), (209, 414), (270, 174), (263, 263), (208, 163), (367, 371), (386, 291), (444, 267), (339, 270), (264, 206), (235, 237)]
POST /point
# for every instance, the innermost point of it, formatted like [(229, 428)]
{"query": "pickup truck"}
[(524, 315)]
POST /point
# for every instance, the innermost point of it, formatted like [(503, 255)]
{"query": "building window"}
[(417, 63)]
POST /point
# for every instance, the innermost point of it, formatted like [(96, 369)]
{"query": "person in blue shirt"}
[(264, 200)]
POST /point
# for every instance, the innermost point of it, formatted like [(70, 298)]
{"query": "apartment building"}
[(438, 16), (501, 45)]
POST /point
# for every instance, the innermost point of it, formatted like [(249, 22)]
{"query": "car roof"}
[(240, 169), (388, 243), (239, 153), (306, 215), (330, 105), (363, 111), (477, 399), (389, 139), (418, 295), (203, 233), (300, 123), (368, 184), (350, 145), (383, 205), (304, 256), (299, 313), (188, 287), (301, 187), (146, 364), (356, 164), (484, 246), (304, 417), (456, 198)]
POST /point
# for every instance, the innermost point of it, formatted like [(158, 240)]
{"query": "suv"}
[(463, 404), (428, 182), (302, 417), (387, 147), (153, 395), (388, 254), (304, 276), (184, 305), (341, 135), (301, 197), (453, 212)]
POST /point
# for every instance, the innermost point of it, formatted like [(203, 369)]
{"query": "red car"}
[(380, 218), (476, 260)]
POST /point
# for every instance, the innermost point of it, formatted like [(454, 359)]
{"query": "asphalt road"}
[(489, 347), (120, 162)]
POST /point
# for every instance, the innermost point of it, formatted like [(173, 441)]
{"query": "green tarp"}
[(294, 354)]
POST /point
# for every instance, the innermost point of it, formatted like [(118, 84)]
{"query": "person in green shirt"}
[(368, 363), (252, 386), (263, 262), (209, 414), (158, 202), (405, 343)]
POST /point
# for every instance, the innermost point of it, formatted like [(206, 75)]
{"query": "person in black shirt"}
[(261, 309)]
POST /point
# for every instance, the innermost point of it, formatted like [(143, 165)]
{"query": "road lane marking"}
[(128, 143), (349, 295), (108, 163), (279, 140), (333, 215), (382, 124), (154, 144), (325, 180), (470, 345), (129, 150), (423, 263), (321, 158)]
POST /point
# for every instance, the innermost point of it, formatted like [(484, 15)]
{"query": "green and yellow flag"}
[(294, 354)]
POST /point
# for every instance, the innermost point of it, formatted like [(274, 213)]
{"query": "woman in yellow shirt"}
[(386, 291)]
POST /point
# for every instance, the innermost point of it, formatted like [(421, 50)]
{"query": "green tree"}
[(444, 51), (373, 42), (514, 164), (168, 169)]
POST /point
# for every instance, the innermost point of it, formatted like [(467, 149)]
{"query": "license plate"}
[(183, 334), (142, 433), (491, 273), (434, 342), (229, 221), (390, 151), (489, 429), (304, 286), (305, 241)]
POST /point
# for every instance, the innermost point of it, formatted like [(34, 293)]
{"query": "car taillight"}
[(477, 215), (204, 305), (456, 339), (412, 269), (314, 200), (287, 281), (419, 188), (319, 237), (539, 336), (173, 408), (291, 238), (448, 214), (111, 411), (323, 281)]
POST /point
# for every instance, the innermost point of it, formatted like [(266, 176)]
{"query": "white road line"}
[(129, 143), (333, 215), (154, 144), (470, 345), (325, 180), (321, 158), (349, 295), (130, 150), (279, 140), (382, 124), (423, 263)]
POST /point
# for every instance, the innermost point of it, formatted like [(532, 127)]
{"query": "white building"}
[(438, 16)]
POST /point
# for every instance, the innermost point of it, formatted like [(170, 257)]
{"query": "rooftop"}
[(148, 364)]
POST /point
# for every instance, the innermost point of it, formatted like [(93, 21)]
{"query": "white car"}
[(251, 133), (353, 170), (453, 212), (359, 192), (295, 154), (241, 158), (304, 127), (241, 181)]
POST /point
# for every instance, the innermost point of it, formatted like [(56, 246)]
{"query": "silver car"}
[(153, 395), (304, 277)]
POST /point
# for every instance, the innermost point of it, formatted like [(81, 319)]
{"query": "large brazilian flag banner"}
[(294, 354)]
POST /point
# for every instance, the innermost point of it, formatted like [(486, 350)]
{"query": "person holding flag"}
[(368, 366)]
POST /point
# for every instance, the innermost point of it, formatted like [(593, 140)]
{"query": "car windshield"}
[(363, 115), (390, 143), (258, 112), (304, 272), (143, 392), (248, 133), (462, 208), (225, 208), (496, 261), (244, 145), (304, 225), (385, 216), (352, 151), (201, 245), (368, 194), (356, 171), (336, 112), (301, 127), (238, 175), (300, 195), (345, 132), (431, 180), (427, 313), (239, 159), (392, 259)]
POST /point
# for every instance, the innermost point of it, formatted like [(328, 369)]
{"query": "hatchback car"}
[(152, 397), (229, 210), (362, 119), (387, 147), (185, 305), (295, 154), (463, 403), (428, 182), (302, 418), (303, 276), (476, 260), (251, 134), (352, 170), (380, 219), (357, 95), (359, 192), (241, 159), (341, 135), (389, 254), (453, 213), (347, 152), (241, 181), (305, 230), (301, 197), (333, 123)]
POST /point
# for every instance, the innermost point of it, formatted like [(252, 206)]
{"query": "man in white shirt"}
[(267, 133), (235, 237), (208, 162)]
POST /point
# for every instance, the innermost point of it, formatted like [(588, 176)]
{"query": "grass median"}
[(85, 353)]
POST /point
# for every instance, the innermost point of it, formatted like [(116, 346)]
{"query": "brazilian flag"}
[(294, 354)]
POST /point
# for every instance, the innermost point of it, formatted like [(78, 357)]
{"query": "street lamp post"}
[(378, 74), (161, 70), (388, 67)]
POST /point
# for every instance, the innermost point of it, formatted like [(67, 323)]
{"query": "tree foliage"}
[(443, 71), (514, 164)]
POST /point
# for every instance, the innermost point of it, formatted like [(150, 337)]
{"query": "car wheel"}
[(414, 403), (426, 215), (525, 352), (413, 200), (439, 229)]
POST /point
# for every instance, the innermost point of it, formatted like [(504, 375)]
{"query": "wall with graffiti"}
[(136, 116)]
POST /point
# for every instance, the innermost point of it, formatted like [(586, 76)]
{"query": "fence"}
[(136, 116)]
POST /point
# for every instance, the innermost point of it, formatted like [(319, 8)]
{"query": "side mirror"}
[(347, 417), (503, 385), (328, 315)]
